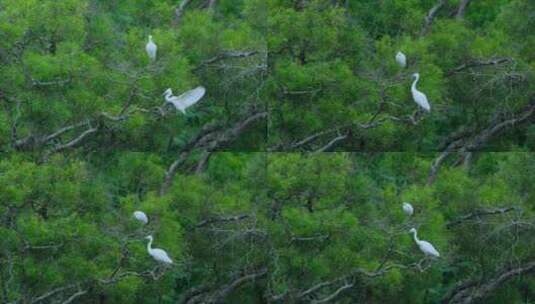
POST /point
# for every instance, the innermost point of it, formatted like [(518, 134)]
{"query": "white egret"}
[(408, 209), (418, 96), (185, 100), (151, 49), (141, 216), (425, 246), (401, 59), (158, 254)]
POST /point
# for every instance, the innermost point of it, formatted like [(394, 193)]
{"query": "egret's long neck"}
[(415, 236), (414, 83), (149, 245)]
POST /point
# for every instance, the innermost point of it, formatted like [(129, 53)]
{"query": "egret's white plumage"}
[(425, 246), (408, 209), (418, 96), (151, 49), (401, 59), (186, 99), (158, 254), (141, 216)]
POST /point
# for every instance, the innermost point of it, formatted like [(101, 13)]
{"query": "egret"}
[(158, 254), (425, 246), (141, 216), (151, 49), (418, 96), (407, 208), (401, 59), (185, 100)]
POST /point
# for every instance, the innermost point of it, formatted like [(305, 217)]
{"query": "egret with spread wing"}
[(186, 99)]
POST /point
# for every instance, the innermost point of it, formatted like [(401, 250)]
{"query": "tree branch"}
[(227, 54), (465, 146), (479, 213), (222, 220), (33, 141), (493, 130), (227, 289), (179, 11), (74, 296), (52, 292), (435, 166), (461, 9), (431, 16), (58, 82), (478, 63), (209, 139), (334, 294), (331, 143), (470, 292), (71, 143)]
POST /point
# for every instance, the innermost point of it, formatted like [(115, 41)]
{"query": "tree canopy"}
[(284, 183)]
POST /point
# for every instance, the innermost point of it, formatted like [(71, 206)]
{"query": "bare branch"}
[(203, 161), (461, 9), (211, 4), (179, 11), (334, 294), (209, 139), (478, 214), (58, 82), (227, 54), (435, 166), (75, 296), (52, 292), (320, 237), (465, 146), (478, 63), (72, 143), (493, 130), (32, 141), (192, 293), (227, 289), (431, 16), (331, 143), (222, 220), (473, 291)]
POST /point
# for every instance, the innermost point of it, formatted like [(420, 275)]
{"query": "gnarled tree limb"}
[(179, 11), (478, 214), (225, 55), (464, 146), (461, 9), (431, 16), (208, 140), (474, 291), (222, 220), (478, 63)]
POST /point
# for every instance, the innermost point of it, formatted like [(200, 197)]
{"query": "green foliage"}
[(240, 191)]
